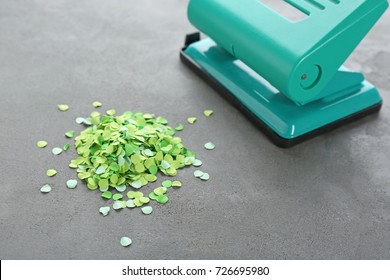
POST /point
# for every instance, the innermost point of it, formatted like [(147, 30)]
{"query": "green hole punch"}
[(286, 75)]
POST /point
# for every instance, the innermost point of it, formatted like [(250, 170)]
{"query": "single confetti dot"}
[(208, 113), (125, 241), (209, 146), (205, 177), (104, 210), (198, 173), (45, 188), (66, 147), (144, 199), (176, 184), (56, 151), (51, 172), (167, 183), (180, 127), (147, 210), (63, 107), (130, 203), (107, 194), (121, 188), (41, 144), (136, 184), (69, 133), (197, 163), (191, 120), (117, 196), (117, 205), (162, 199), (111, 112), (79, 120), (71, 184), (97, 104), (159, 191)]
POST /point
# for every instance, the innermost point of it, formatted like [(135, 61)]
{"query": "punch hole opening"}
[(287, 9)]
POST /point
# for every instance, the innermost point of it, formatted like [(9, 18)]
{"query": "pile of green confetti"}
[(130, 149), (127, 151)]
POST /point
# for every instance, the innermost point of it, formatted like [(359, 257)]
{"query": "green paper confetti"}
[(208, 113), (120, 188), (104, 210), (107, 194), (136, 184), (96, 104), (205, 176), (117, 205), (80, 120), (63, 107), (197, 163), (191, 120), (117, 196), (147, 210), (198, 173), (180, 127), (159, 191), (69, 133), (45, 188), (66, 147), (162, 199), (71, 184), (56, 151), (167, 183), (130, 203), (51, 172), (176, 184), (209, 146), (41, 144), (125, 241), (111, 112)]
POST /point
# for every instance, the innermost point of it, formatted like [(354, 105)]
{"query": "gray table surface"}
[(328, 198)]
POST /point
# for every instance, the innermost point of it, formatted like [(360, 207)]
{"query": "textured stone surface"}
[(327, 198)]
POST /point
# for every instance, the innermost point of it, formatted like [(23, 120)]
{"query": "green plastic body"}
[(275, 110), (299, 58)]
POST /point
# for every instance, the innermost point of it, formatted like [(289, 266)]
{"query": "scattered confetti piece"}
[(63, 107), (51, 172), (180, 127), (126, 241), (176, 184), (71, 184), (69, 133), (197, 163), (41, 144), (56, 151), (162, 199), (45, 188), (117, 196), (147, 210), (191, 120), (107, 194), (117, 205), (66, 147), (205, 177), (120, 188), (130, 203), (167, 183), (208, 113), (111, 112), (198, 173), (80, 120), (104, 210), (97, 104), (209, 146)]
